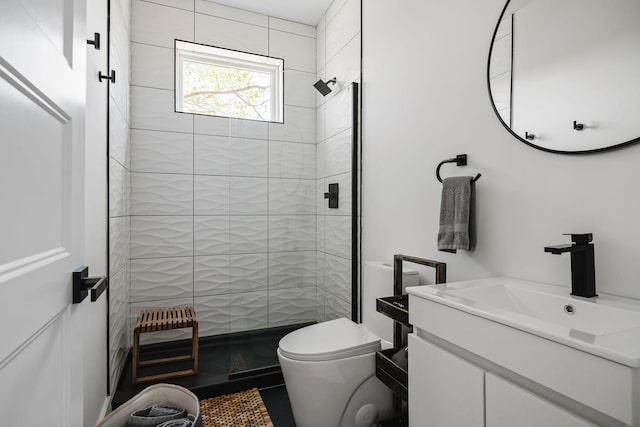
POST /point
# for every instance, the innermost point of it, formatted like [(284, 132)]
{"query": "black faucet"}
[(583, 271)]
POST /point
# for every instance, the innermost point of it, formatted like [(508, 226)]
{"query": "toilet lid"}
[(335, 339)]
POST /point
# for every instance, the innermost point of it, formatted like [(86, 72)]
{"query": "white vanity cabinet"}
[(445, 391), (470, 366), (509, 405)]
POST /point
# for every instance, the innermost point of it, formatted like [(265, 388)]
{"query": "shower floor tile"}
[(227, 364)]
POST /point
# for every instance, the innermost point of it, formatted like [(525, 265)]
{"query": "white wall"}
[(425, 99)]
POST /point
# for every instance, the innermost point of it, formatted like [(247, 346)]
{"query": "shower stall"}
[(236, 216)]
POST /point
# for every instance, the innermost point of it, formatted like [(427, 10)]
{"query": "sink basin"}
[(606, 326)]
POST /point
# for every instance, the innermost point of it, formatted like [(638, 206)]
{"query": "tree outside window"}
[(228, 83)]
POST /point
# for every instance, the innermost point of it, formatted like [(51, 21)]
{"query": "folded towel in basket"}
[(157, 415), (457, 215), (182, 422)]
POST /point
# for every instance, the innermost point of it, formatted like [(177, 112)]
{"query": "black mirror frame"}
[(495, 110)]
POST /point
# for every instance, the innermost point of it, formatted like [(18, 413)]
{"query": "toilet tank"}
[(377, 282)]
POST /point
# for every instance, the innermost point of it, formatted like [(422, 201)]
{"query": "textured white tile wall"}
[(119, 341), (153, 109), (161, 194), (224, 210), (211, 195), (292, 305), (346, 62), (161, 152), (159, 25), (292, 160), (248, 272), (335, 306), (291, 27), (248, 234), (338, 55), (211, 275), (119, 174), (292, 269), (119, 133), (161, 236), (208, 7), (292, 197), (248, 311), (231, 34), (118, 188), (211, 235), (213, 314), (343, 27), (181, 4), (298, 52), (296, 88), (299, 125), (153, 66), (119, 240), (249, 196), (161, 278), (292, 233)]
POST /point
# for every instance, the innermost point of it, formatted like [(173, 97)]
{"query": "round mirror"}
[(564, 75)]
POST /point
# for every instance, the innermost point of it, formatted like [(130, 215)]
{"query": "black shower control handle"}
[(332, 195)]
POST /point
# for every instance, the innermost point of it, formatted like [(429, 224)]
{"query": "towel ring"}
[(459, 160)]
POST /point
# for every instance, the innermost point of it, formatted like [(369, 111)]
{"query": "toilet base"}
[(330, 393)]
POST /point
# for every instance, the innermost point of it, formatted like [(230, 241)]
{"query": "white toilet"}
[(329, 368)]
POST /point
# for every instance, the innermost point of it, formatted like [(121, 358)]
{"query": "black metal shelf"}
[(396, 307), (391, 374)]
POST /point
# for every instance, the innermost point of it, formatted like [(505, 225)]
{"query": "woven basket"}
[(167, 394)]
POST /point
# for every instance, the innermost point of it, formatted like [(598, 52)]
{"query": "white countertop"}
[(606, 326)]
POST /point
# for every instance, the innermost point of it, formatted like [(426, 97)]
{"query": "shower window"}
[(228, 83)]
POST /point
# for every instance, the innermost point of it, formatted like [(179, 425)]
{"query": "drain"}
[(569, 309)]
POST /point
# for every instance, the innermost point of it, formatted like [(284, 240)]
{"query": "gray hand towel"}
[(457, 212), (155, 415)]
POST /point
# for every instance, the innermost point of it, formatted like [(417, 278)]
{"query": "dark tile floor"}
[(277, 402), (227, 364)]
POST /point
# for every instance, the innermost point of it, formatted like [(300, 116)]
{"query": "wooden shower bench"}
[(165, 319)]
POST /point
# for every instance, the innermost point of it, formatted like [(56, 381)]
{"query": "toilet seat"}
[(335, 339)]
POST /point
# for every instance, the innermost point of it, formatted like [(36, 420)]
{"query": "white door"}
[(42, 81)]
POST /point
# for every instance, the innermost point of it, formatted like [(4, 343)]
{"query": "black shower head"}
[(323, 87)]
